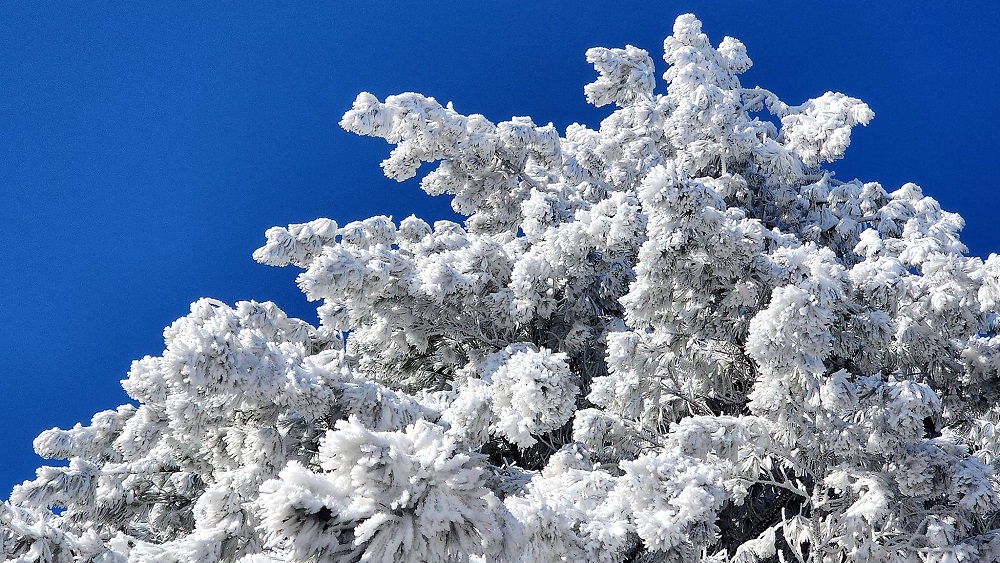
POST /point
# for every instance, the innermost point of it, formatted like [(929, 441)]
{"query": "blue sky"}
[(145, 149)]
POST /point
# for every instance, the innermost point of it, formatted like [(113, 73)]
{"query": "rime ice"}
[(676, 337)]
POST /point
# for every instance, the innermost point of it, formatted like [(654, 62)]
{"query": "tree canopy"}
[(677, 337)]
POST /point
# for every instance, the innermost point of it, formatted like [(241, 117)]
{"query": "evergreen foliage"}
[(674, 338)]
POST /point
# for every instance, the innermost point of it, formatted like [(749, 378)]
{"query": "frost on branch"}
[(533, 393), (383, 496), (626, 76), (674, 337), (820, 129)]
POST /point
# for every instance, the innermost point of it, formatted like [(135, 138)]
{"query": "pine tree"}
[(674, 338)]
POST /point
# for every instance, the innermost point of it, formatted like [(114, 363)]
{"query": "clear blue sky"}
[(145, 149)]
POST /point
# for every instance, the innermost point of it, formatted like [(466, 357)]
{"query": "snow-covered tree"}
[(674, 338)]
